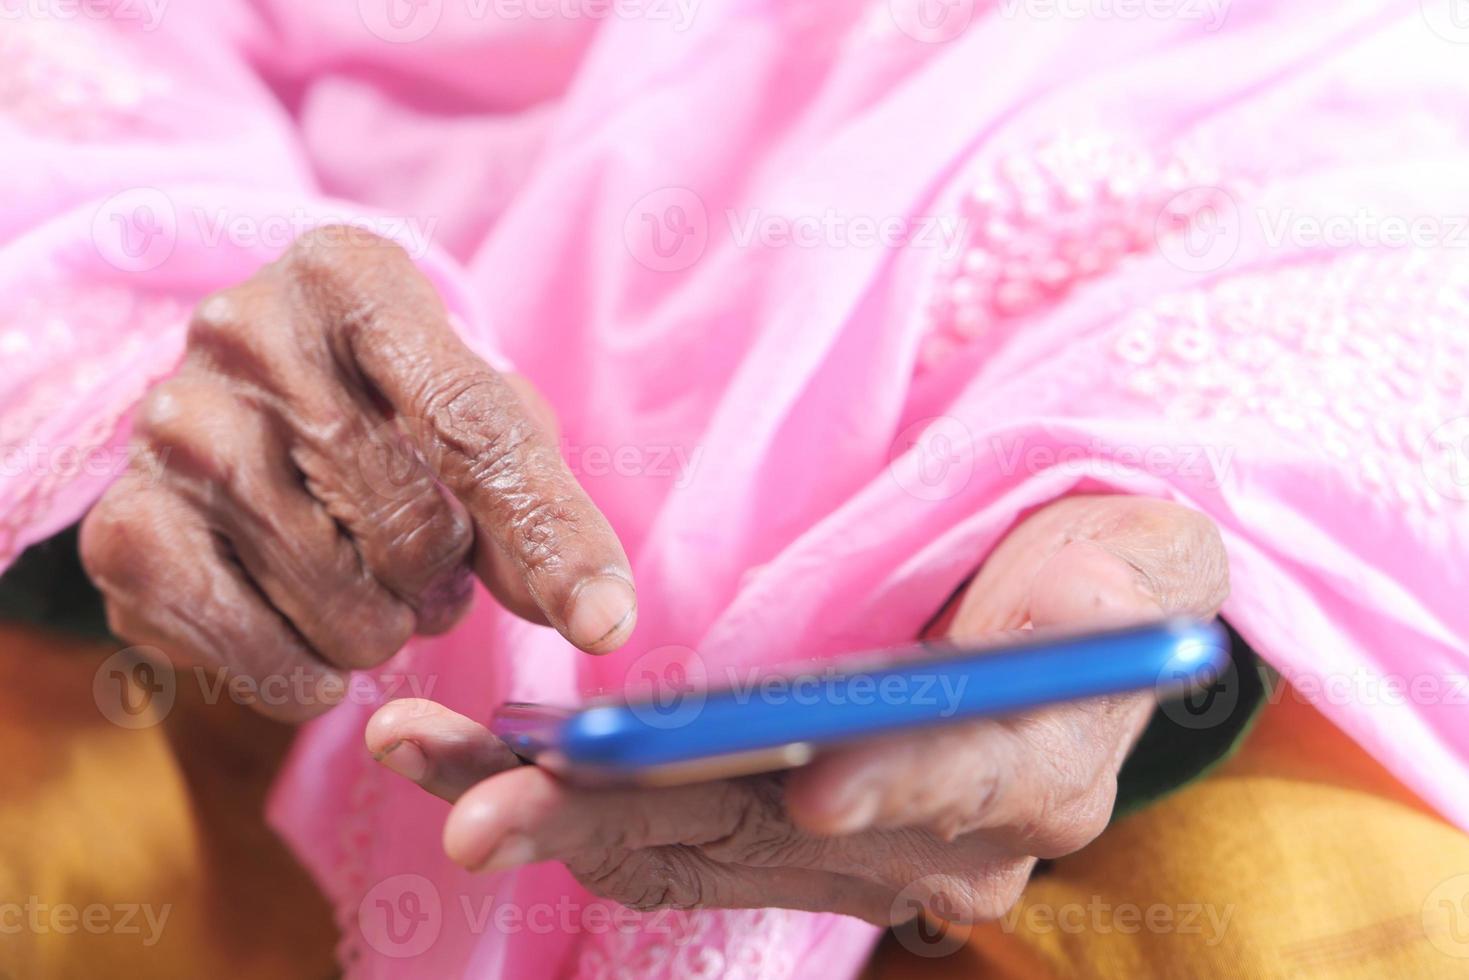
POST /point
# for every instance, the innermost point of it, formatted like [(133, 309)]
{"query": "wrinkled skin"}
[(335, 465), (949, 821)]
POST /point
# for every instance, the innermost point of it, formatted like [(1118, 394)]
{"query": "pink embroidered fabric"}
[(825, 296)]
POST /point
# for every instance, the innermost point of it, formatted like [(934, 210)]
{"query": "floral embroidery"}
[(71, 342), (1040, 222), (1365, 357), (74, 80), (741, 944)]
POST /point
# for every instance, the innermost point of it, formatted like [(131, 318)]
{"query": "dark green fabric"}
[(47, 587), (1188, 737)]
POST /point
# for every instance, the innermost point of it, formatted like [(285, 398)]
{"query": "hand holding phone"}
[(781, 719), (945, 816)]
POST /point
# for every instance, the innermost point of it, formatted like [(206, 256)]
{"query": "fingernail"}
[(406, 759), (512, 852), (603, 611)]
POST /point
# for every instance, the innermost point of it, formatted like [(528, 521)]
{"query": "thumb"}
[(1085, 585), (1129, 559)]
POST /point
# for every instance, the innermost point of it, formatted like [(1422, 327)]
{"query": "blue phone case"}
[(782, 720)]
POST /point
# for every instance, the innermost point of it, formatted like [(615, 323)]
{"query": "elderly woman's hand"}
[(295, 531), (952, 820)]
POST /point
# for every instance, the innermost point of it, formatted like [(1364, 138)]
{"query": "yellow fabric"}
[(1300, 857), (101, 826)]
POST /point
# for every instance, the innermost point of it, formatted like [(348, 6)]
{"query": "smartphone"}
[(782, 717)]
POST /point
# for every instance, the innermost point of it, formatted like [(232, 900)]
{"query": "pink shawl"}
[(825, 294)]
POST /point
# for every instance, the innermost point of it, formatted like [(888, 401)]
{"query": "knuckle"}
[(330, 246), (442, 605), (425, 529), (628, 835), (342, 269), (321, 426), (249, 333), (489, 445), (447, 542), (950, 824), (427, 537), (950, 820), (1180, 553), (222, 450), (364, 655), (540, 531), (392, 478), (284, 682), (112, 547), (1066, 818), (1045, 826), (100, 540), (116, 538), (162, 417), (949, 898), (1085, 819), (982, 897), (1052, 738), (416, 544), (361, 627), (471, 412), (221, 316), (1195, 534), (776, 848), (179, 421), (1212, 563), (757, 833), (646, 880)]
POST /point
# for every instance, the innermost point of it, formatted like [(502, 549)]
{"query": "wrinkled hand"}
[(333, 464), (964, 810)]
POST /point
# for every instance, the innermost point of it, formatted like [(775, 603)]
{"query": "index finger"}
[(528, 510)]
